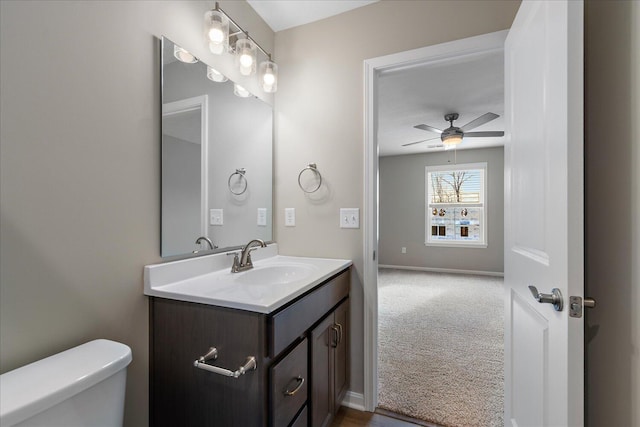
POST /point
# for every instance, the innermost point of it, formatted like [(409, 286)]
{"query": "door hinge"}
[(374, 255)]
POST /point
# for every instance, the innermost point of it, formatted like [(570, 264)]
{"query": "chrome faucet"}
[(208, 240), (243, 261)]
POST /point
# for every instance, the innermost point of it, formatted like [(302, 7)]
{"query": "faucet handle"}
[(236, 261)]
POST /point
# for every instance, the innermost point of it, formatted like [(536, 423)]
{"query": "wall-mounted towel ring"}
[(313, 168), (241, 179)]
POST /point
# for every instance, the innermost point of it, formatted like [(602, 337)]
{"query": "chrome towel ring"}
[(241, 179), (314, 169)]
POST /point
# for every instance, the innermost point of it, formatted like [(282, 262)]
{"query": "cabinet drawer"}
[(294, 320), (289, 383)]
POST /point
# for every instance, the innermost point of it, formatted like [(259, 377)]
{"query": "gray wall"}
[(80, 171), (319, 118), (402, 213), (612, 123)]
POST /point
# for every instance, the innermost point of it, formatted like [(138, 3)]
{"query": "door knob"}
[(555, 297)]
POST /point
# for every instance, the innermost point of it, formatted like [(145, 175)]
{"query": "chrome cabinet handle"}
[(249, 365), (339, 332), (555, 297), (336, 336), (300, 382)]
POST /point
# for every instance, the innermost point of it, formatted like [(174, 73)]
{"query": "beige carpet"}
[(440, 353)]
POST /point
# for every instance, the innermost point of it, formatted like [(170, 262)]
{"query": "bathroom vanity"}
[(299, 340)]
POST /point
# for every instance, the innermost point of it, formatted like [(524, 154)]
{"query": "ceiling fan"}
[(453, 135)]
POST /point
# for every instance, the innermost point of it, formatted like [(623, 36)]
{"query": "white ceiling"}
[(421, 94), (283, 14)]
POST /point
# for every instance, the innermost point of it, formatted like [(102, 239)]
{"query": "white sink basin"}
[(274, 274), (272, 282)]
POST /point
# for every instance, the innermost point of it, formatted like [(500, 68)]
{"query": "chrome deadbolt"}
[(555, 297)]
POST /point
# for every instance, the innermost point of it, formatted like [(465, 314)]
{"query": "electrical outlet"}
[(403, 250), (216, 217), (349, 217), (262, 217), (289, 217)]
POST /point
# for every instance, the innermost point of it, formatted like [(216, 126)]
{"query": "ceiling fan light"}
[(452, 140)]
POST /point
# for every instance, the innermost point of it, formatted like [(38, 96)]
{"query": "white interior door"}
[(544, 348)]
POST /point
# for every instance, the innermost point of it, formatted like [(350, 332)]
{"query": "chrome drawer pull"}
[(337, 329), (336, 336), (249, 365), (340, 332), (300, 381)]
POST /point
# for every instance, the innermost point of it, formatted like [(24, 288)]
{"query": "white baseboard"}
[(354, 401), (444, 270)]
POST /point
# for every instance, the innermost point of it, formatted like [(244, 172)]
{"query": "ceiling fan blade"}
[(485, 118), (418, 142), (428, 128), (483, 134)]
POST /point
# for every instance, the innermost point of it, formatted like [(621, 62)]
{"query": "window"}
[(455, 205)]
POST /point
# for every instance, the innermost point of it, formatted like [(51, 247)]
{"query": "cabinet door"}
[(341, 354), (321, 373), (183, 395)]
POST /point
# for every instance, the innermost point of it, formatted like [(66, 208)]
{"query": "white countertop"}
[(274, 281)]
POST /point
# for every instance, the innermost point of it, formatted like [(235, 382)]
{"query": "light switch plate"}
[(216, 217), (289, 217), (349, 217), (262, 217)]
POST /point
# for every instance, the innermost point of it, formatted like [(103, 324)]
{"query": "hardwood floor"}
[(352, 418)]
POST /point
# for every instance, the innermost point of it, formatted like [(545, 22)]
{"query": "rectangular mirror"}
[(216, 160)]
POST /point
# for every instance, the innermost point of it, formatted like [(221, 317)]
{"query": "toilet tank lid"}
[(40, 385)]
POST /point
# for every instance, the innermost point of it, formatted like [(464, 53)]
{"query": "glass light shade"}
[(184, 55), (452, 140), (240, 91), (246, 53), (215, 75), (216, 31), (269, 76)]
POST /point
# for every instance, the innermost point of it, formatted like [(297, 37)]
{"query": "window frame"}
[(428, 206)]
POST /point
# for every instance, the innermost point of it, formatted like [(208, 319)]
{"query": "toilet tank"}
[(82, 386)]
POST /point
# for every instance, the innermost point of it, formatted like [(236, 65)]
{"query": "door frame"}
[(471, 46), (186, 105)]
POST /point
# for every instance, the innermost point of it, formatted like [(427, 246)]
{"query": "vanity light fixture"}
[(222, 32), (240, 91), (215, 75), (269, 76), (246, 53), (216, 31), (184, 55)]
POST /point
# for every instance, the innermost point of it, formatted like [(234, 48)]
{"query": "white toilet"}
[(82, 386)]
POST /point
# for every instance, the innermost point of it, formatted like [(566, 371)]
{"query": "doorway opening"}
[(384, 220)]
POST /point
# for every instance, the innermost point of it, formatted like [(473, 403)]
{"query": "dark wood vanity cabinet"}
[(329, 365), (301, 352)]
